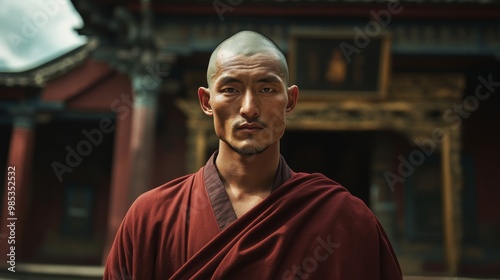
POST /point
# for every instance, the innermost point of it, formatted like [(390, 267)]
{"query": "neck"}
[(247, 175)]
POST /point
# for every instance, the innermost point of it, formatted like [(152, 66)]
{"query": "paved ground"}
[(52, 272), (30, 276), (24, 276)]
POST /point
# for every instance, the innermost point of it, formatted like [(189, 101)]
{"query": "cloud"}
[(34, 32)]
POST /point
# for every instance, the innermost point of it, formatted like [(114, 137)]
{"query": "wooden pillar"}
[(134, 144), (118, 198), (199, 127), (382, 200), (197, 148), (142, 137), (452, 186), (17, 190)]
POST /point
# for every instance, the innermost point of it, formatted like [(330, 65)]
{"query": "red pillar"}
[(134, 148), (120, 181), (145, 89), (16, 193), (142, 149)]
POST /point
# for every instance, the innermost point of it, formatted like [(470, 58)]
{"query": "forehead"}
[(229, 63)]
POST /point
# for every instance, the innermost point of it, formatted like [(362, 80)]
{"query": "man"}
[(245, 214)]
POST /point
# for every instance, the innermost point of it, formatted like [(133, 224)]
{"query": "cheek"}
[(277, 119), (222, 121), (277, 124)]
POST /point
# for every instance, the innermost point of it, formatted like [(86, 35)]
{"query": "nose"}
[(250, 107)]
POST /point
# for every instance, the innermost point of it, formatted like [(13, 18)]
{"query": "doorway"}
[(343, 156)]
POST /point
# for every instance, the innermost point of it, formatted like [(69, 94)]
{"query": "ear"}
[(204, 97), (293, 96)]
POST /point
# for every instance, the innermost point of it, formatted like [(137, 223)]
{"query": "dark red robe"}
[(309, 227)]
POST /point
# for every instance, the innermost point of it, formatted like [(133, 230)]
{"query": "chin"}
[(250, 151), (247, 150)]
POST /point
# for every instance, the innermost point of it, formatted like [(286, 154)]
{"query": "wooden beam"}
[(328, 9)]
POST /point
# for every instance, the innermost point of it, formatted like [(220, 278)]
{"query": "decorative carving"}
[(396, 115), (428, 87)]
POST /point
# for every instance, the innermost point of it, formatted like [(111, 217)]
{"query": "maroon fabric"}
[(308, 228)]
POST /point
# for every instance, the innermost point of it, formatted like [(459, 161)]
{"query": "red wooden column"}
[(134, 150), (120, 180), (16, 193), (142, 138)]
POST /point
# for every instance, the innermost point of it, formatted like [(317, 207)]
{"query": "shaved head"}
[(246, 43)]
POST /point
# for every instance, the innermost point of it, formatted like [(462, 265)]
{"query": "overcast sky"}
[(33, 32)]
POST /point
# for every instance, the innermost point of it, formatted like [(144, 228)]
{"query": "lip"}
[(249, 127)]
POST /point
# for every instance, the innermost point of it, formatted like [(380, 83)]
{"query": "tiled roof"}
[(331, 1), (39, 76)]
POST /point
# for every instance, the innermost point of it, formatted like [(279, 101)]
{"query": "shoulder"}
[(347, 224), (316, 183), (333, 196)]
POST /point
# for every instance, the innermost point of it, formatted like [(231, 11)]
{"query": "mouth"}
[(250, 127)]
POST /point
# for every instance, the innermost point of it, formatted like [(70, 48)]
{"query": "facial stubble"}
[(249, 151)]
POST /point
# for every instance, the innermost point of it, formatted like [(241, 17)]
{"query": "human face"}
[(249, 101)]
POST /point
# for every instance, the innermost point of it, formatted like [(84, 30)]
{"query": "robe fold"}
[(309, 227)]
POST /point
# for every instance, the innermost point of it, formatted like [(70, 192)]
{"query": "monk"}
[(246, 214)]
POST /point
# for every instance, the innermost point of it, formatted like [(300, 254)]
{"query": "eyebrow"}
[(227, 80), (269, 80)]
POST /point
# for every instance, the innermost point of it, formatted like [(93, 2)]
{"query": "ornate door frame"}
[(415, 106)]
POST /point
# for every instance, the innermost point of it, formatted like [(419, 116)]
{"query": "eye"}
[(266, 90), (229, 90)]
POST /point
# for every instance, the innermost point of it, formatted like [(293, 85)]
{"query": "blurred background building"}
[(399, 103)]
